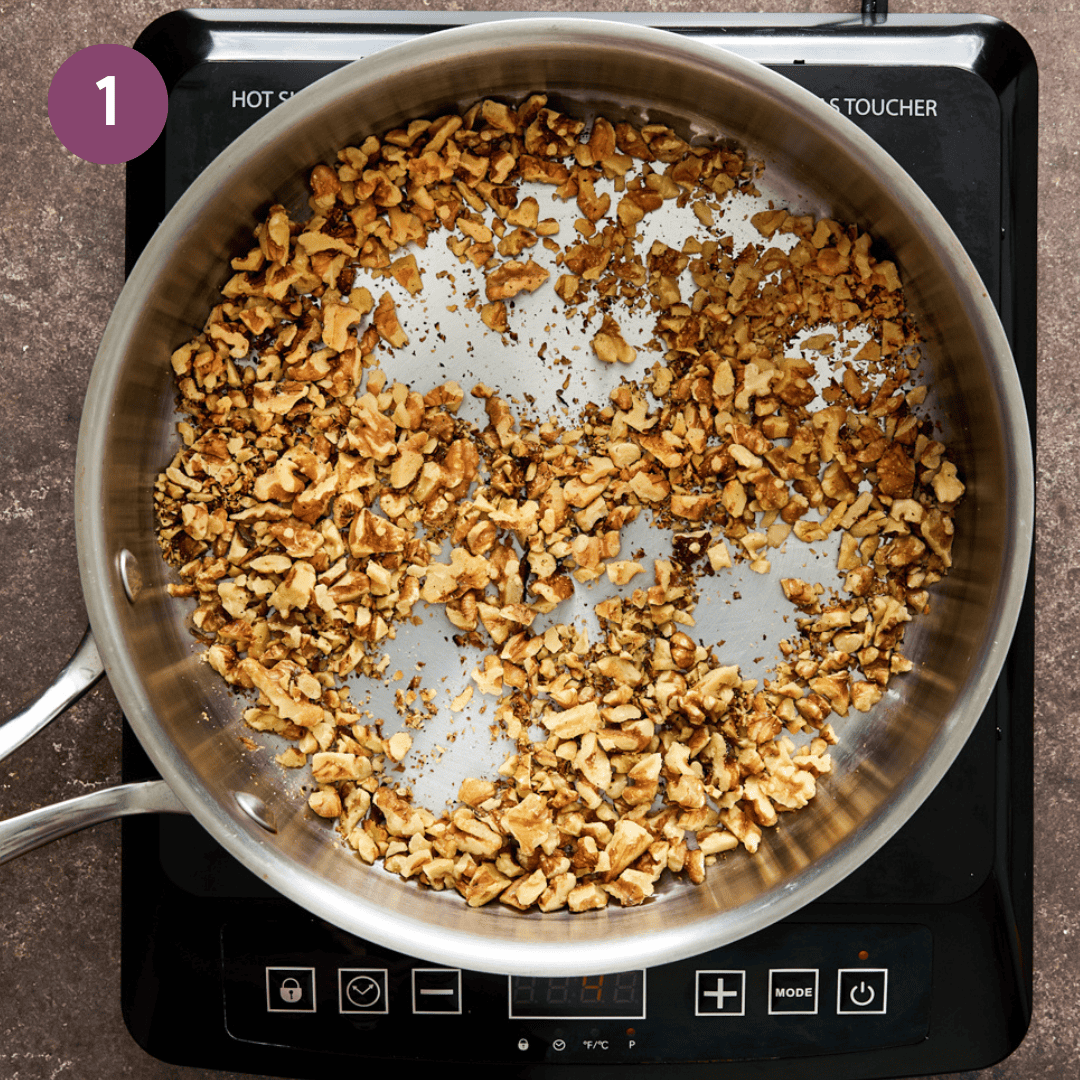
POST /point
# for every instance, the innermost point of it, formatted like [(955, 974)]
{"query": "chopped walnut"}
[(307, 510), (512, 277)]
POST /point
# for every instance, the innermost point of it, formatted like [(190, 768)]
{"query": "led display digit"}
[(617, 996)]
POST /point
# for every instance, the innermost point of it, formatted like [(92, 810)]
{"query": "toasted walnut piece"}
[(695, 866), (745, 830), (628, 841), (386, 322), (328, 768), (592, 762), (620, 670), (896, 472), (489, 679), (528, 822), (643, 781), (294, 593), (718, 555), (610, 345), (326, 803), (398, 745), (484, 886), (372, 434), (864, 695), (474, 792), (406, 273), (947, 486), (649, 487), (438, 872), (768, 221), (513, 277), (448, 396), (557, 893), (372, 535), (473, 836), (800, 593), (691, 507), (683, 652), (364, 844), (524, 891), (402, 819), (337, 319), (279, 482), (587, 897), (405, 469), (273, 683), (572, 722), (291, 758), (631, 888), (493, 315), (835, 689), (621, 572), (716, 841), (937, 531)]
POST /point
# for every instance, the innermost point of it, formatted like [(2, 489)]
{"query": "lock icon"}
[(290, 990)]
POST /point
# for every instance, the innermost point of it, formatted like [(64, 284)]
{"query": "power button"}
[(862, 990)]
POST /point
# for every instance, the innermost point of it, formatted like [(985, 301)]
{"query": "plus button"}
[(720, 993)]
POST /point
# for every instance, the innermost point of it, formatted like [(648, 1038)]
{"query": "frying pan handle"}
[(28, 831), (79, 674)]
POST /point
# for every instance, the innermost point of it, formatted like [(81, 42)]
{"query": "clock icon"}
[(363, 990)]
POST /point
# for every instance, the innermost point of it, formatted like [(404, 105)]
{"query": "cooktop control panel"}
[(796, 988)]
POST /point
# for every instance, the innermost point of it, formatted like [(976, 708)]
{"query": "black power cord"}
[(875, 11)]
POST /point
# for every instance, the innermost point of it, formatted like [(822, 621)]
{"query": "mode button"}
[(793, 990)]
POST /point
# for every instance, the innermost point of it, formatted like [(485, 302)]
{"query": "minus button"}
[(436, 990)]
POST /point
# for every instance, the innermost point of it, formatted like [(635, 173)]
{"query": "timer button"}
[(862, 990), (362, 990)]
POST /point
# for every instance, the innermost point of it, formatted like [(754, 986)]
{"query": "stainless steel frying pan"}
[(885, 765)]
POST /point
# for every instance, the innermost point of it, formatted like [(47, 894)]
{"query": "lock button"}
[(290, 989)]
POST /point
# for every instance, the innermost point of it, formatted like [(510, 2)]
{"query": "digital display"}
[(597, 997)]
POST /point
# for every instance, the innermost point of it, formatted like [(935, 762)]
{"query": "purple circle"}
[(107, 104)]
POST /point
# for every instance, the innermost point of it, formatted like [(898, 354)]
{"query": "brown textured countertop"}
[(61, 269)]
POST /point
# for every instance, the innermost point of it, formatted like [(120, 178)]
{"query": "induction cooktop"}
[(918, 963)]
